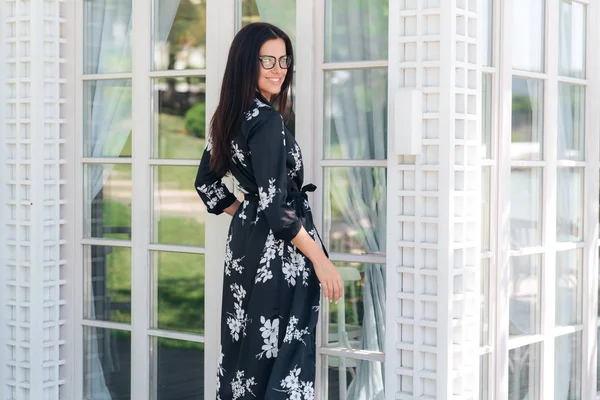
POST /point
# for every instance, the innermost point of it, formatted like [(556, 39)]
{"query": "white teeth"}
[(275, 80)]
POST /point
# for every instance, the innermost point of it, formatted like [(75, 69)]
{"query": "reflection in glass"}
[(524, 372), (342, 381), (281, 13), (484, 336), (572, 39), (107, 283), (487, 29), (107, 118), (106, 364), (179, 117), (526, 207), (528, 26), (178, 371), (569, 274), (355, 206), (569, 204), (356, 30), (356, 114), (527, 119), (106, 36), (107, 200), (571, 122), (567, 367), (487, 115), (525, 295), (178, 216), (178, 292), (486, 216), (350, 324), (179, 35)]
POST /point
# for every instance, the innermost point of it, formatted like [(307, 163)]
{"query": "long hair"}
[(240, 84)]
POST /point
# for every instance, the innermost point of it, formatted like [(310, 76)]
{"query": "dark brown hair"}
[(240, 84)]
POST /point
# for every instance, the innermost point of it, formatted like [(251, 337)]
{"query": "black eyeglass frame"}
[(284, 61)]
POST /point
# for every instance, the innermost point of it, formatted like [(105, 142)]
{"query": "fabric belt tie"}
[(303, 193)]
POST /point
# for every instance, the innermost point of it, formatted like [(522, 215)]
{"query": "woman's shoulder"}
[(260, 114)]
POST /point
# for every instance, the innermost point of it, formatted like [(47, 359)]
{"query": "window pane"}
[(487, 115), (525, 295), (528, 31), (339, 377), (281, 13), (354, 209), (107, 280), (178, 292), (485, 303), (356, 114), (106, 364), (107, 118), (356, 30), (179, 215), (569, 205), (107, 201), (487, 29), (179, 35), (178, 371), (357, 321), (524, 372), (567, 367), (179, 117), (598, 367), (572, 39), (486, 198), (527, 119), (571, 122), (106, 36), (485, 392), (526, 207), (569, 275)]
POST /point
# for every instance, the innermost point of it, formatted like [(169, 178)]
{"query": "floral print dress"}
[(270, 292)]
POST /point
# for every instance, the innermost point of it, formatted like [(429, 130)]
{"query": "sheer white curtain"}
[(107, 42)]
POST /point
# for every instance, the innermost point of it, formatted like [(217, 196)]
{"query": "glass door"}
[(142, 119)]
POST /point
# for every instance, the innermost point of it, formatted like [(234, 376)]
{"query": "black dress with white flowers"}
[(270, 292)]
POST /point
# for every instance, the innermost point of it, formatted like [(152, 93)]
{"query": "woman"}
[(273, 265)]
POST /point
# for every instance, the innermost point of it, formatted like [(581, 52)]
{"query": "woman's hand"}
[(331, 281)]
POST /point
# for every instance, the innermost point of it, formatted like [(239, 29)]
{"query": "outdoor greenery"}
[(195, 119)]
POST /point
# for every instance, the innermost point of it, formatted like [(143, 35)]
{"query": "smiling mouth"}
[(275, 80)]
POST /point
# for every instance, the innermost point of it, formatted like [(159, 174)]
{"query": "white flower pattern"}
[(295, 388), (237, 154), (214, 192), (270, 335), (293, 333), (273, 248), (241, 385), (266, 196), (297, 159), (294, 266), (230, 262), (237, 322)]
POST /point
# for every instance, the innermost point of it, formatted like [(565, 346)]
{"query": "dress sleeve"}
[(266, 142), (212, 191)]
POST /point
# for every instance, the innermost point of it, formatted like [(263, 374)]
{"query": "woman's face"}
[(270, 80)]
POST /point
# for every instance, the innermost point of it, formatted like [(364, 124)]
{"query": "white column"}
[(433, 285), (32, 202), (220, 29)]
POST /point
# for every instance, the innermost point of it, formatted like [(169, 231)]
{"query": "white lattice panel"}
[(435, 197), (32, 201)]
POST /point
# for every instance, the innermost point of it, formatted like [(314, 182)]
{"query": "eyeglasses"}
[(268, 62)]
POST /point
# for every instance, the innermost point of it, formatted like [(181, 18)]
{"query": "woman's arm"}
[(330, 279), (232, 209)]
